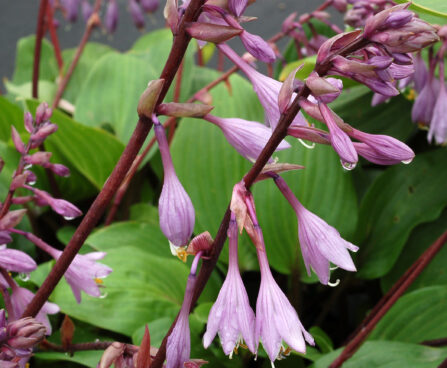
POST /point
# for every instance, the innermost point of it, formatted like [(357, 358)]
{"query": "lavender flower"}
[(276, 319), (423, 108), (178, 346), (175, 207), (16, 260), (320, 242), (21, 297), (266, 88), (87, 10), (231, 315), (247, 137), (257, 47), (62, 207), (237, 7), (136, 14), (24, 333), (438, 124), (111, 17), (339, 139), (150, 6)]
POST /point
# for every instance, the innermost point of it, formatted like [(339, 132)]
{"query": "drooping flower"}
[(247, 137), (175, 208), (237, 7), (62, 207), (16, 260), (438, 124), (178, 347), (231, 315), (320, 243), (276, 319), (20, 299), (84, 273), (266, 88)]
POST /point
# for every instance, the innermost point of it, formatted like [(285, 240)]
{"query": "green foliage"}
[(435, 8)]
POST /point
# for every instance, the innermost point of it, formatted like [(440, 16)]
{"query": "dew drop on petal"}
[(310, 146), (103, 294), (334, 284), (68, 218), (32, 182), (348, 165), (28, 166), (406, 162)]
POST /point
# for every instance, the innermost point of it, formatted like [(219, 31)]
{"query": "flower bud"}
[(18, 181), (41, 113), (257, 47), (212, 32), (111, 354), (25, 333), (71, 10), (321, 87), (42, 133), (60, 206), (149, 98), (150, 6), (170, 13), (180, 110), (136, 14), (286, 91), (340, 5), (5, 238), (111, 18), (59, 169), (87, 10), (11, 219), (237, 7), (28, 122), (38, 158), (18, 143)]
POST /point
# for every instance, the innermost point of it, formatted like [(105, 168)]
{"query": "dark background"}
[(18, 19)]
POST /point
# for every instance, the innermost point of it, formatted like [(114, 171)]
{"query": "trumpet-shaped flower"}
[(247, 137), (16, 260), (231, 315)]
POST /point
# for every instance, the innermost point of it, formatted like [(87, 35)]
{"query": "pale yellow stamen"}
[(98, 281)]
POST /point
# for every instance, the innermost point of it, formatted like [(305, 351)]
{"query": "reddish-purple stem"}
[(38, 46)]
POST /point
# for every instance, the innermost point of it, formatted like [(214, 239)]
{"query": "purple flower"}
[(276, 319), (111, 17), (21, 297), (257, 47), (136, 14), (62, 207), (175, 208), (237, 7), (149, 6), (16, 260), (383, 148), (423, 108), (320, 243), (266, 88), (420, 75), (438, 124), (178, 347), (247, 137), (339, 139), (231, 315)]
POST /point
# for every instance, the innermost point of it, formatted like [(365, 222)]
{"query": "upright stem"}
[(137, 139), (54, 39), (93, 22), (389, 299), (38, 46)]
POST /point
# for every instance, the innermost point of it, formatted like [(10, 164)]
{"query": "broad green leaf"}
[(91, 151), (403, 197), (111, 92), (10, 115), (218, 167), (391, 118), (46, 90), (308, 65), (11, 159), (417, 316), (143, 212), (154, 47), (25, 58), (144, 236), (86, 358), (420, 239), (431, 7), (389, 354), (90, 55)]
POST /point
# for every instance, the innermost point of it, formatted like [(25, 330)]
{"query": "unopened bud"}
[(150, 6), (87, 10), (111, 354), (149, 98), (136, 14), (18, 143), (25, 333), (18, 181), (60, 206), (212, 32), (43, 132), (41, 113), (59, 170), (5, 238), (171, 15), (111, 17), (11, 219), (286, 91), (38, 158), (272, 169), (326, 90), (340, 5), (28, 121), (179, 110)]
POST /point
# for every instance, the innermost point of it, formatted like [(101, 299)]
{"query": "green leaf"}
[(391, 118), (219, 167), (421, 238), (46, 90), (432, 7), (91, 151), (403, 197), (25, 58), (418, 316), (10, 115), (86, 358), (11, 159), (389, 354), (303, 73), (90, 55), (101, 99)]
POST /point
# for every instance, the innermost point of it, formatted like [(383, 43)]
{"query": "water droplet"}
[(68, 218), (28, 166), (24, 277), (406, 162), (32, 182), (103, 294), (348, 165), (310, 146), (334, 284)]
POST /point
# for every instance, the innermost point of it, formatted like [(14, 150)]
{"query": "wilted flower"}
[(231, 315), (247, 137), (175, 207), (320, 243)]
